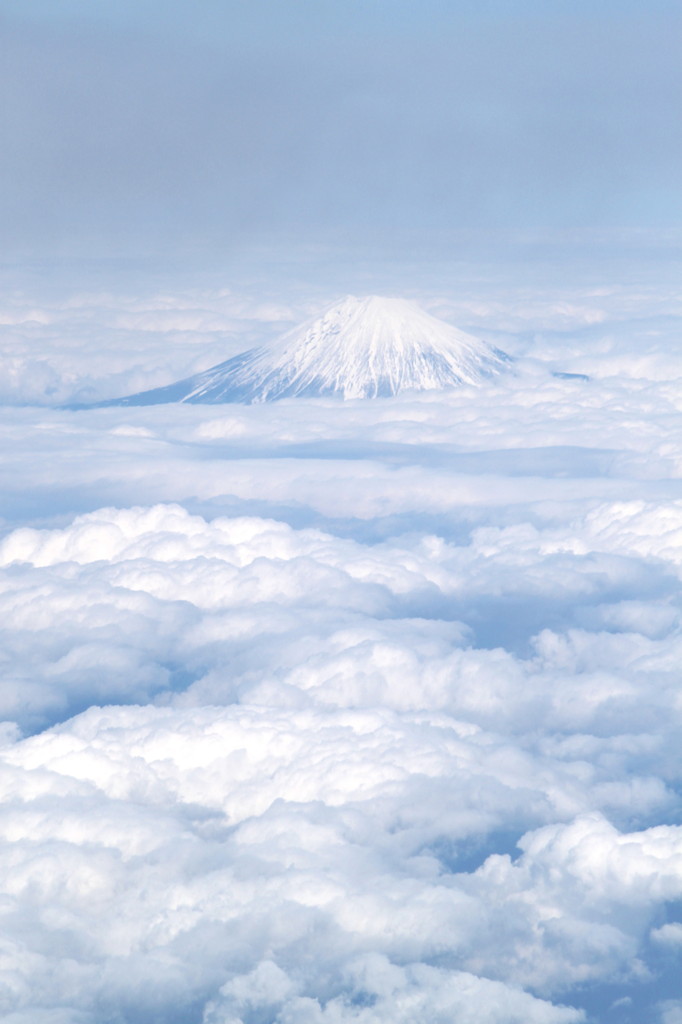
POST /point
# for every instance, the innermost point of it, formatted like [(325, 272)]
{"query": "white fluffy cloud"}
[(368, 760), (308, 862), (331, 713)]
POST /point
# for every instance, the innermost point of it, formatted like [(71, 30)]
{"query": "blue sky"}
[(143, 127)]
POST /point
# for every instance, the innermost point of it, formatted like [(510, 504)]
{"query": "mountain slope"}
[(360, 348)]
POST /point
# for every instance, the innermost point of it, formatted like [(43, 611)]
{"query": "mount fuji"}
[(359, 348)]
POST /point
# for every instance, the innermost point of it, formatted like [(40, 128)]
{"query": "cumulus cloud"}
[(368, 757), (337, 712), (393, 993), (306, 863)]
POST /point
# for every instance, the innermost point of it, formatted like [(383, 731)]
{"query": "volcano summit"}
[(360, 348)]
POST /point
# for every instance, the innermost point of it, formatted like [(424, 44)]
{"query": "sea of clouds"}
[(341, 713)]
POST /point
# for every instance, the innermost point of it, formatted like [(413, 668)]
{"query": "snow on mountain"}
[(360, 348)]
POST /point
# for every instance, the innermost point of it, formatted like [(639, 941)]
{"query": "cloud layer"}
[(345, 712)]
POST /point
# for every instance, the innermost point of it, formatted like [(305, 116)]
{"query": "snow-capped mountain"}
[(360, 348)]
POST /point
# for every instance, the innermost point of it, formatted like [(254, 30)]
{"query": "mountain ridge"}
[(359, 348)]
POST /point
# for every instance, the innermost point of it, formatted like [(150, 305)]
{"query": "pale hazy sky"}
[(138, 127), (363, 712)]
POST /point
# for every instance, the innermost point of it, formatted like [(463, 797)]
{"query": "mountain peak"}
[(359, 348)]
